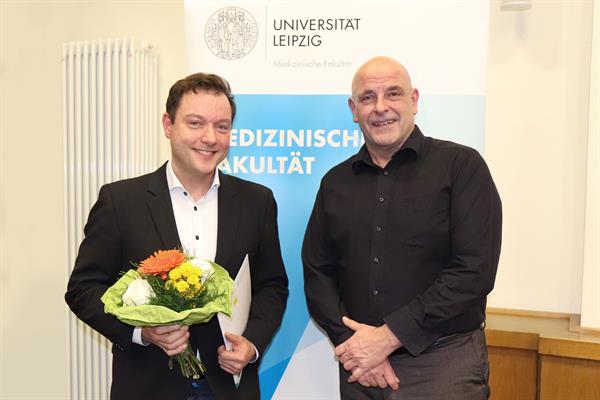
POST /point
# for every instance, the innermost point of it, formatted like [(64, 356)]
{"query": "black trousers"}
[(200, 390), (455, 368)]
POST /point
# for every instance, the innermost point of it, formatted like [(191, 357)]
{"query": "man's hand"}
[(380, 376), (171, 338), (367, 348), (240, 355)]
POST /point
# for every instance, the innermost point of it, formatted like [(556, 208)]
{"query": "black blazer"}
[(133, 218)]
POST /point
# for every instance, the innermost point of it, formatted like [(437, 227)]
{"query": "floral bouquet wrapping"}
[(169, 287)]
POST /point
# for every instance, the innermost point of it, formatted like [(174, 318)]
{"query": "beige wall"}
[(33, 318), (536, 126), (536, 146)]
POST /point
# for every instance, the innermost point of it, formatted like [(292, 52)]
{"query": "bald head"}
[(380, 68), (384, 104)]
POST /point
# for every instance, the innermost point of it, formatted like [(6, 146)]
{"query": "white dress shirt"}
[(196, 220)]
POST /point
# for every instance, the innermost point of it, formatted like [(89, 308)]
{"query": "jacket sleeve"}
[(97, 267), (269, 281)]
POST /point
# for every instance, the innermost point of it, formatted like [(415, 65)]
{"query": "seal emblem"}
[(231, 33)]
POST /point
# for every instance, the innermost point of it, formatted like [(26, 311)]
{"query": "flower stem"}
[(189, 364)]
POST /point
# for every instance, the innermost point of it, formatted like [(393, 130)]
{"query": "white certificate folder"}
[(240, 307)]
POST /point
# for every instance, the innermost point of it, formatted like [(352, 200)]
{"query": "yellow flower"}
[(182, 286), (194, 280), (188, 269), (175, 273)]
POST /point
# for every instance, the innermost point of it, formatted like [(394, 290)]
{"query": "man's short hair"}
[(197, 82)]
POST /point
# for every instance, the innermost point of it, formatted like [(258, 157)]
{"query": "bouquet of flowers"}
[(170, 287)]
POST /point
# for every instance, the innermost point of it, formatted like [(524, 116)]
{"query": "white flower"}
[(139, 292), (206, 268)]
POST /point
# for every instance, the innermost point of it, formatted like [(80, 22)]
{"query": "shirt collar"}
[(413, 144), (173, 182)]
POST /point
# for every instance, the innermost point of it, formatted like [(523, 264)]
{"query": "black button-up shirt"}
[(414, 245)]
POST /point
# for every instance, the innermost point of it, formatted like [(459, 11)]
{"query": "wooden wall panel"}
[(564, 378), (513, 373)]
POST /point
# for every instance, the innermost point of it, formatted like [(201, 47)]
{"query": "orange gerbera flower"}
[(161, 262)]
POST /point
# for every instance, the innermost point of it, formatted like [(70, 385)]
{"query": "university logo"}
[(231, 33)]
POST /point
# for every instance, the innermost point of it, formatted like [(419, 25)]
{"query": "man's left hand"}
[(381, 376), (241, 353), (367, 348)]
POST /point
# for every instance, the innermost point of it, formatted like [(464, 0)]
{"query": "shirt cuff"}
[(137, 337), (256, 354)]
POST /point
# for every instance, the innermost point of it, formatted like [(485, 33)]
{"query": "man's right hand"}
[(171, 338), (381, 376)]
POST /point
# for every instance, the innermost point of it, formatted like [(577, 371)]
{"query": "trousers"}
[(454, 368), (200, 391)]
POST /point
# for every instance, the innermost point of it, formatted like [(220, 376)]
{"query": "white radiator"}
[(111, 121)]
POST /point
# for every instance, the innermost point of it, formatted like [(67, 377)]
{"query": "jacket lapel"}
[(161, 209), (228, 219)]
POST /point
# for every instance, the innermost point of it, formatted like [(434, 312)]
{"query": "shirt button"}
[(197, 237), (386, 173), (195, 208), (375, 292), (378, 229), (381, 199), (185, 193), (376, 260)]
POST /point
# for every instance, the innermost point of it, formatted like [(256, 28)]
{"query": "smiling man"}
[(187, 203), (401, 251)]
